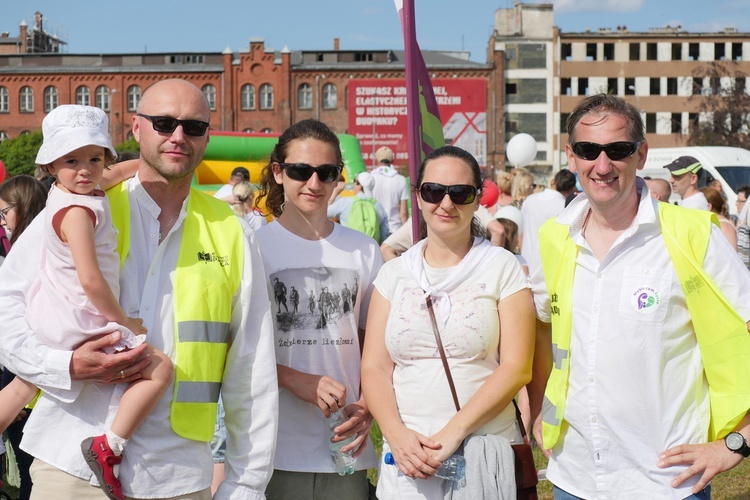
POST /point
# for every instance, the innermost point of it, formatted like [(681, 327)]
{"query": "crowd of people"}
[(618, 321)]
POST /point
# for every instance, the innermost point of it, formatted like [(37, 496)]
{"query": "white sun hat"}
[(71, 126)]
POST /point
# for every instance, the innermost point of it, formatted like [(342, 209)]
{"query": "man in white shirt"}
[(686, 172), (631, 387), (390, 189), (79, 387), (539, 208), (239, 174)]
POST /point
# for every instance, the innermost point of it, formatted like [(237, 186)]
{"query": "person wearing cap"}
[(363, 186), (538, 209), (643, 387), (390, 189), (686, 173), (239, 174), (192, 270)]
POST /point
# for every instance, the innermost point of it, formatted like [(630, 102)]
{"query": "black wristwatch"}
[(736, 443)]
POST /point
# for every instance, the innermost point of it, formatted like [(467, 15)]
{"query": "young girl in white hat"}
[(76, 297)]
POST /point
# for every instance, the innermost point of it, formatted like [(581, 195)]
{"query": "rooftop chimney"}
[(335, 44)]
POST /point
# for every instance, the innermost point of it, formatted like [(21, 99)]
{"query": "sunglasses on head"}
[(167, 125), (303, 171), (615, 150), (460, 194)]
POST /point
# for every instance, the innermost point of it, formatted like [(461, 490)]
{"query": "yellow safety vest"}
[(721, 333), (208, 274)]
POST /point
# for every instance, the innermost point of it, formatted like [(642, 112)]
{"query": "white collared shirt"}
[(636, 385), (157, 463)]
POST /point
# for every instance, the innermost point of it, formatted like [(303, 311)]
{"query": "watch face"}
[(735, 441)]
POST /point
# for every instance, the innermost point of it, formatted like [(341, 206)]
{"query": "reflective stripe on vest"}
[(208, 274), (721, 333)]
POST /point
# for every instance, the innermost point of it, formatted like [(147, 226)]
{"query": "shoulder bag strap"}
[(439, 342)]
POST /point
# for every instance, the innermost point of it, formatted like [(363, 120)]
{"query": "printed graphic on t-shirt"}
[(312, 298)]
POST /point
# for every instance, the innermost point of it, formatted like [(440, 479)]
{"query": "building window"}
[(591, 52), (534, 124), (102, 98), (248, 131), (719, 51), (566, 52), (526, 56), (650, 123), (267, 130), (564, 123), (676, 123), (671, 86), (247, 97), (304, 96), (629, 86), (511, 88), (329, 96), (635, 51), (134, 97), (612, 85), (266, 96), (583, 86), (4, 100), (83, 96), (654, 86), (694, 51), (609, 51), (676, 51), (50, 99), (3, 136), (566, 87), (651, 52), (210, 92), (736, 52), (526, 91), (27, 100), (692, 120)]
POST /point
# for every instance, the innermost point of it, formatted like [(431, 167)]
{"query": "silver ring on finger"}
[(122, 374)]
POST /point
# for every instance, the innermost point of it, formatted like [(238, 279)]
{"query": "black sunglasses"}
[(615, 150), (460, 194), (303, 171), (167, 125)]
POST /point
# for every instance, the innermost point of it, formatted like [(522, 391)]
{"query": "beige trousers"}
[(51, 483)]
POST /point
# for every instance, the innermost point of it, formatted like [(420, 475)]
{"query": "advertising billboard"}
[(377, 115)]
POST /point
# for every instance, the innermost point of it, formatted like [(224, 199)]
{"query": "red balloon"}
[(2, 171)]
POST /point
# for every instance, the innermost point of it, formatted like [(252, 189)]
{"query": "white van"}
[(731, 166)]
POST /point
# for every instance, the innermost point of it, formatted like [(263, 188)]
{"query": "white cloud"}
[(565, 6)]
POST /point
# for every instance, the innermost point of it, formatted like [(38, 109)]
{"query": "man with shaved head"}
[(660, 189), (192, 271)]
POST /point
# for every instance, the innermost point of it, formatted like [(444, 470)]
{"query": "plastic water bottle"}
[(453, 468), (344, 463)]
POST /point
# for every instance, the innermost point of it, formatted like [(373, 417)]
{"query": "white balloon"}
[(521, 150)]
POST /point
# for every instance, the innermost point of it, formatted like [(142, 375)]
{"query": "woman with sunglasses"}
[(485, 318), (317, 348), (21, 199)]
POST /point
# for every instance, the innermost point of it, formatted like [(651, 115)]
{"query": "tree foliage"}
[(19, 153), (723, 104), (129, 145)]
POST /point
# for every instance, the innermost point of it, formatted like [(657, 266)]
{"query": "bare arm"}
[(540, 373), (407, 446), (118, 172), (388, 252), (516, 353), (319, 390), (403, 212)]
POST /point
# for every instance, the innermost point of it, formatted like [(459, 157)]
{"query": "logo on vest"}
[(645, 300), (212, 257)]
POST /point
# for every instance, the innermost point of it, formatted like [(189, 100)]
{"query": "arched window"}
[(102, 98), (51, 99), (27, 100), (210, 92), (134, 97), (3, 136), (247, 97), (4, 100), (304, 96), (83, 96), (266, 96), (266, 131), (248, 131), (329, 96)]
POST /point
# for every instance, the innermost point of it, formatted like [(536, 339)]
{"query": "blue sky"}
[(108, 26)]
